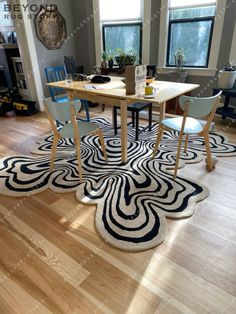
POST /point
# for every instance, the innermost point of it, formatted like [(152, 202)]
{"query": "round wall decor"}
[(50, 27)]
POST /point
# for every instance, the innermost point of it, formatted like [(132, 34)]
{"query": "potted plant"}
[(124, 58), (179, 74), (104, 60), (110, 60), (227, 77)]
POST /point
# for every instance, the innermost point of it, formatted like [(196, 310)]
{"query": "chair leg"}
[(158, 140), (102, 142), (80, 170), (186, 144), (54, 151), (178, 155), (208, 151), (103, 107), (150, 117), (136, 125), (133, 117), (115, 120), (86, 107)]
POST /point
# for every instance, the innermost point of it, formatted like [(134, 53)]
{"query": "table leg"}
[(70, 95), (124, 138), (114, 119), (226, 107), (162, 111)]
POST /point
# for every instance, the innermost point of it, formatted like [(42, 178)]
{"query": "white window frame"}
[(215, 44), (145, 31)]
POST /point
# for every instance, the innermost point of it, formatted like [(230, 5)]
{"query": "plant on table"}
[(179, 57), (110, 59), (179, 74), (124, 58), (104, 59)]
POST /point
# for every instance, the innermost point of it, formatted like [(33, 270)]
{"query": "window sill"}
[(191, 71)]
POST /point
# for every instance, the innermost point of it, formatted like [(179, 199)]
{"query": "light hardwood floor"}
[(53, 261)]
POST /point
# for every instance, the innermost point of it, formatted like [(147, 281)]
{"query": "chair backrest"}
[(55, 74), (199, 107), (151, 70), (70, 64), (61, 111)]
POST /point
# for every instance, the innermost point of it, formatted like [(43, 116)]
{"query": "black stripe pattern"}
[(133, 200)]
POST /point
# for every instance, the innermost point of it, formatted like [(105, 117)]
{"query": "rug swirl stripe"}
[(133, 200)]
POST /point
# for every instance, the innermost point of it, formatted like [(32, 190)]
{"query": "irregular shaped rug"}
[(133, 200)]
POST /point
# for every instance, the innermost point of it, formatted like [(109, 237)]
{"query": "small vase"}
[(104, 65)]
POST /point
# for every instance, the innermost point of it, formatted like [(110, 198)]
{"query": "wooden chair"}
[(75, 129), (55, 74), (71, 67), (193, 108), (136, 108)]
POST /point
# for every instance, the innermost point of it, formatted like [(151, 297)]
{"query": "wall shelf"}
[(20, 76), (9, 46)]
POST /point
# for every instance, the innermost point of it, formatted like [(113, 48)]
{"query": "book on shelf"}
[(19, 68)]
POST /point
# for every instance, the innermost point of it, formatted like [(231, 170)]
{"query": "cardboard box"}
[(135, 79)]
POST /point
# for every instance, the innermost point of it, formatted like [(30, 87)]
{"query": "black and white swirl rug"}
[(133, 200)]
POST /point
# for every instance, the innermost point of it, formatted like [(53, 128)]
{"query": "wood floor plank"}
[(42, 222), (166, 308), (14, 299), (126, 262), (46, 251), (49, 235), (39, 280), (181, 282)]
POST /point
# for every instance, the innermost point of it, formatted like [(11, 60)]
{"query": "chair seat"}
[(138, 106), (64, 98), (135, 108), (61, 99), (84, 128), (192, 126)]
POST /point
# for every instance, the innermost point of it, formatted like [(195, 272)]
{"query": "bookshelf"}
[(20, 76)]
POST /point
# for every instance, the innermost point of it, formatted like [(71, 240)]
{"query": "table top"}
[(116, 89)]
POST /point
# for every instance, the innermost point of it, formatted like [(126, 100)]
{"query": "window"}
[(125, 36), (122, 25), (191, 27), (5, 20)]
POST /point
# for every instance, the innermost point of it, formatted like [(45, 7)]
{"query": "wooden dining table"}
[(114, 94)]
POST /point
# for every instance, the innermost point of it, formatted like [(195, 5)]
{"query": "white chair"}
[(188, 124), (72, 128)]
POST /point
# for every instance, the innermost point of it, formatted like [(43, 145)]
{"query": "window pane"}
[(192, 12), (126, 37), (3, 20), (194, 38), (189, 3), (111, 10)]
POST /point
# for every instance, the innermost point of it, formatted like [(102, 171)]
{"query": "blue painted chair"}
[(55, 74), (194, 108), (66, 112)]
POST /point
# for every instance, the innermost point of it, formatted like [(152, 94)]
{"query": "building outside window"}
[(190, 28)]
